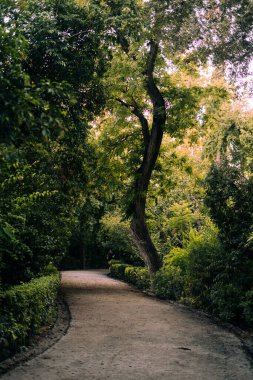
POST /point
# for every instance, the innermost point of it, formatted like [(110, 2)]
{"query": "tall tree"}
[(149, 40)]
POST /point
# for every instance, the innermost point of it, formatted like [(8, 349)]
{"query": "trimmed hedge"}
[(24, 310), (118, 271), (137, 276), (168, 284)]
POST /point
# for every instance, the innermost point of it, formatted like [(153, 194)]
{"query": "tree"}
[(145, 54), (226, 31)]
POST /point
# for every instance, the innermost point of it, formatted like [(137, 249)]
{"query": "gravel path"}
[(119, 333)]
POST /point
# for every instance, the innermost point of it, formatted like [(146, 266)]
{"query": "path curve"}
[(118, 333)]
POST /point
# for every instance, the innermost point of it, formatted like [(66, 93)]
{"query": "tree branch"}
[(144, 123)]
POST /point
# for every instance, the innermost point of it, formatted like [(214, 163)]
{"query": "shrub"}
[(49, 269), (169, 283), (229, 198), (118, 271), (178, 257), (138, 276), (24, 310), (247, 306), (113, 262), (205, 262), (225, 301)]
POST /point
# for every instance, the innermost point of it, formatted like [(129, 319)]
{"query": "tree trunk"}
[(152, 142), (144, 242)]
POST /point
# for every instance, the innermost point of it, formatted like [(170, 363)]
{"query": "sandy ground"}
[(119, 333)]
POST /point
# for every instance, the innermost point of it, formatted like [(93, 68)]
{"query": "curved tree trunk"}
[(152, 141)]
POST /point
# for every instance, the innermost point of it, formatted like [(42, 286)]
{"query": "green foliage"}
[(230, 45), (50, 53), (65, 45), (115, 235), (207, 276), (229, 197), (118, 271), (49, 269), (32, 198), (205, 254), (25, 309), (169, 283), (225, 301), (177, 257), (247, 306), (139, 277), (229, 181), (175, 198)]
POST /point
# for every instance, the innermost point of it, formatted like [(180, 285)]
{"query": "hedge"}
[(166, 284), (24, 310), (118, 270), (137, 276), (169, 284)]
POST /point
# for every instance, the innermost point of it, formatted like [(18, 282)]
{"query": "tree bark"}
[(152, 143)]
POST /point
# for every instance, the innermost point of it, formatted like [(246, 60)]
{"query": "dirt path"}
[(120, 334)]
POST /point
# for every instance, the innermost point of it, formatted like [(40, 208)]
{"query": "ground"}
[(117, 332)]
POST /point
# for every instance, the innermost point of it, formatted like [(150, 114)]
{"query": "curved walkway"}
[(119, 333)]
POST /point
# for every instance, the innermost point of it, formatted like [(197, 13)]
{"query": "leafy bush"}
[(137, 276), (177, 257), (207, 276), (225, 301), (205, 256), (118, 271), (247, 306), (169, 283), (229, 198), (24, 310), (114, 261), (49, 270)]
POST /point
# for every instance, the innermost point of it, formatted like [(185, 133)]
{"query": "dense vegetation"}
[(25, 310), (50, 85), (51, 62), (120, 131)]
